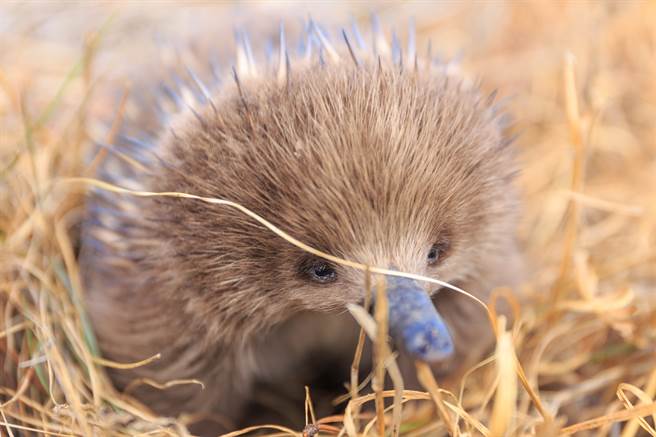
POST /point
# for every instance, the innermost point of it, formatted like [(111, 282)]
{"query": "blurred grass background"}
[(580, 82)]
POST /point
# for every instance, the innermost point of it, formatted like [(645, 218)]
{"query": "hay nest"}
[(579, 358)]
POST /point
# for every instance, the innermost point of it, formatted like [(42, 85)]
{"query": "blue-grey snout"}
[(414, 323)]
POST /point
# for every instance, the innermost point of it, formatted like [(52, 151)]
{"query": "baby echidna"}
[(364, 151)]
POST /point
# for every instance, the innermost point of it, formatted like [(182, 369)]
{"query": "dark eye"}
[(320, 271), (436, 253)]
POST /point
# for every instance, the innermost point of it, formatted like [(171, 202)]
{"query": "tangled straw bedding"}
[(581, 80)]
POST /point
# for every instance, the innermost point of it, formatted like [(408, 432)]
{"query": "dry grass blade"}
[(620, 416), (469, 419), (643, 397), (650, 390), (284, 430), (370, 327), (578, 171), (506, 395), (276, 230), (426, 378), (25, 383), (146, 381), (606, 205), (380, 352), (357, 357), (310, 418), (10, 426), (115, 365), (10, 433)]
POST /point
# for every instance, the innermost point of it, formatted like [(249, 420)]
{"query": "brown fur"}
[(366, 163)]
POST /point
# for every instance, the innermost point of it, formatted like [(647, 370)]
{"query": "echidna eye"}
[(435, 253), (321, 271)]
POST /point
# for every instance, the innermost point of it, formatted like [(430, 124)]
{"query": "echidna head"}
[(366, 163)]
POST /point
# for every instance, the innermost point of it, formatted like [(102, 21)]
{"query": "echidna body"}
[(368, 154)]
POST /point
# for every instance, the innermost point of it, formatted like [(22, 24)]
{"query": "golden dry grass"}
[(580, 355)]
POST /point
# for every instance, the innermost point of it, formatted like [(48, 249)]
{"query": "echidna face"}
[(367, 163)]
